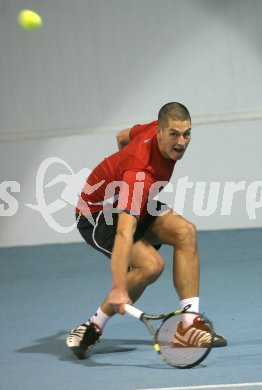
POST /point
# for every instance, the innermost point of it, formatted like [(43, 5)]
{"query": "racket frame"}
[(146, 318)]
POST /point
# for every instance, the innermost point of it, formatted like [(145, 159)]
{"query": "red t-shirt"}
[(128, 178)]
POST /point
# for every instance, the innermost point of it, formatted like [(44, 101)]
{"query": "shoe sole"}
[(215, 344), (177, 345), (219, 344), (80, 353)]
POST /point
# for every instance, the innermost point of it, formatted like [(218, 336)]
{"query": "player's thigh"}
[(170, 229)]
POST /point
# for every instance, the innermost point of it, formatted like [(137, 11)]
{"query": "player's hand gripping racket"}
[(178, 346)]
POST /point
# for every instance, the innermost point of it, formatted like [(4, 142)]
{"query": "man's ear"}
[(159, 130)]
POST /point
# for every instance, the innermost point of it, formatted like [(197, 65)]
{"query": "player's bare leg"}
[(172, 229), (146, 266)]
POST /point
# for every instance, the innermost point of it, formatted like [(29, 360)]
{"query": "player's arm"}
[(126, 227), (123, 138), (120, 260)]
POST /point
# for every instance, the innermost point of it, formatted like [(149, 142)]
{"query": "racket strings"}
[(184, 347), (196, 335), (201, 336)]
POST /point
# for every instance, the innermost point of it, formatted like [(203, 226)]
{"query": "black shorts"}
[(101, 235)]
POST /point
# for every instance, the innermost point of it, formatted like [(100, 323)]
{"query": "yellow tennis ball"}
[(29, 20)]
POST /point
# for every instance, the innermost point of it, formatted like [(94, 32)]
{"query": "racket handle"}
[(132, 311)]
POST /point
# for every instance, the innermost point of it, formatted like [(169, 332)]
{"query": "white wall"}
[(98, 66)]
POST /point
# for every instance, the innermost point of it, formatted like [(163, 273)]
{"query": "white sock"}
[(194, 306), (99, 318)]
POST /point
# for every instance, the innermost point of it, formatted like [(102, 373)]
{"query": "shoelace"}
[(79, 332), (200, 324)]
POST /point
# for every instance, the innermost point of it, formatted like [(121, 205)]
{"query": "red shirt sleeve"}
[(139, 129), (135, 130), (134, 192)]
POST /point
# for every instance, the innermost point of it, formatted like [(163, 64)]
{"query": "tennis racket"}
[(178, 347)]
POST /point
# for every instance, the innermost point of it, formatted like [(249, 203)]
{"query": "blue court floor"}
[(47, 290)]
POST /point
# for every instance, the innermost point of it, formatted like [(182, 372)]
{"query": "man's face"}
[(174, 138)]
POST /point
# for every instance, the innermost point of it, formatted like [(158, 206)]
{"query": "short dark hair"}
[(173, 110)]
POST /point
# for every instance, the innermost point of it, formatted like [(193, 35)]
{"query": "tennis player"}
[(118, 216)]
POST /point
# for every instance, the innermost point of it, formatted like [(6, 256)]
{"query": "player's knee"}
[(186, 235)]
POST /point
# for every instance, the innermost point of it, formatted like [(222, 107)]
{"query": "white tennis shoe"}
[(82, 339)]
